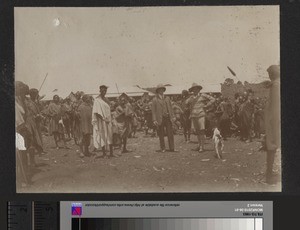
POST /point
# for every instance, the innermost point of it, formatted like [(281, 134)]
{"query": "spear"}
[(117, 89), (231, 71), (43, 82), (234, 74)]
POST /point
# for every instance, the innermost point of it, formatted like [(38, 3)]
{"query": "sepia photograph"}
[(174, 99)]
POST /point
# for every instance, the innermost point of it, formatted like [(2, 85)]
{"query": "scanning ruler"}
[(33, 216)]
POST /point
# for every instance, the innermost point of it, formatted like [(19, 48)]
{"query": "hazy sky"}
[(81, 48)]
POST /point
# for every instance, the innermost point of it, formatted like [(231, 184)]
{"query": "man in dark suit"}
[(163, 116)]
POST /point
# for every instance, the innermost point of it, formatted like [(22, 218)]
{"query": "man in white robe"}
[(102, 123)]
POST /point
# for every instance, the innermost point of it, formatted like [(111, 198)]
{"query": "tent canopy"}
[(134, 91), (175, 90), (131, 91), (112, 91), (49, 94)]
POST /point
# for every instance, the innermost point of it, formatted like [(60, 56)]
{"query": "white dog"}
[(218, 142)]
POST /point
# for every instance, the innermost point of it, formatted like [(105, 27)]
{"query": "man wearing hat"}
[(163, 116), (272, 121), (198, 103)]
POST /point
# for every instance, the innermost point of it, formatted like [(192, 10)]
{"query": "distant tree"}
[(239, 83), (246, 83)]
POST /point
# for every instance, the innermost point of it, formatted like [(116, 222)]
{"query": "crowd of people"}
[(109, 123)]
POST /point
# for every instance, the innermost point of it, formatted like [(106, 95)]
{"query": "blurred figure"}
[(259, 126), (135, 125), (134, 119), (56, 126), (225, 118), (148, 117), (272, 121), (185, 116), (33, 121), (117, 140), (67, 117), (86, 128), (246, 118), (211, 115), (124, 115), (129, 106), (236, 118), (22, 134), (177, 125), (76, 122)]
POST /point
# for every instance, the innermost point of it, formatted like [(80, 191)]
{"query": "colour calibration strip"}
[(166, 215), (168, 224)]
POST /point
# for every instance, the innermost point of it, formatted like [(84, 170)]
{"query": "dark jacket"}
[(157, 109), (272, 117), (85, 117)]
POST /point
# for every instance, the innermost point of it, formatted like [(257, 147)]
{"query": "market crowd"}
[(101, 127)]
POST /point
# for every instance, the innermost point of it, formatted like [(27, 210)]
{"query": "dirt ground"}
[(145, 170)]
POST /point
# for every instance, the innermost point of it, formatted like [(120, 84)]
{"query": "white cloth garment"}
[(20, 142), (102, 125)]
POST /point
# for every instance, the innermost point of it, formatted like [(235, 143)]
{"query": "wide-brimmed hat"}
[(160, 86), (195, 85), (103, 86)]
